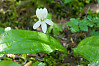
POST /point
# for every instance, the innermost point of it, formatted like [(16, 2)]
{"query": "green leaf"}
[(8, 63), (67, 1), (80, 65), (74, 29), (56, 32), (1, 55), (49, 16), (84, 22), (1, 30), (38, 64), (89, 18), (97, 24), (91, 24), (83, 25), (96, 20), (58, 27), (98, 1), (49, 29), (24, 56), (83, 28), (24, 41), (95, 63), (94, 33), (89, 48), (73, 22)]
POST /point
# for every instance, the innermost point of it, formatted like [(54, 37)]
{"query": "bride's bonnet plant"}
[(42, 16), (8, 29)]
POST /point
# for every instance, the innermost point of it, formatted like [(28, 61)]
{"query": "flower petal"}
[(8, 29), (49, 22), (38, 13), (36, 25), (45, 12), (41, 13), (44, 27)]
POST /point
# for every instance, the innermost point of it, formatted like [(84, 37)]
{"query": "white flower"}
[(8, 28), (41, 15)]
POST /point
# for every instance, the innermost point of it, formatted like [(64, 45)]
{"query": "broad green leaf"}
[(24, 41), (95, 63), (38, 64), (8, 63), (89, 48)]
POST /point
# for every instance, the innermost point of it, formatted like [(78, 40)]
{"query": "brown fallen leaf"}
[(72, 40), (28, 64)]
